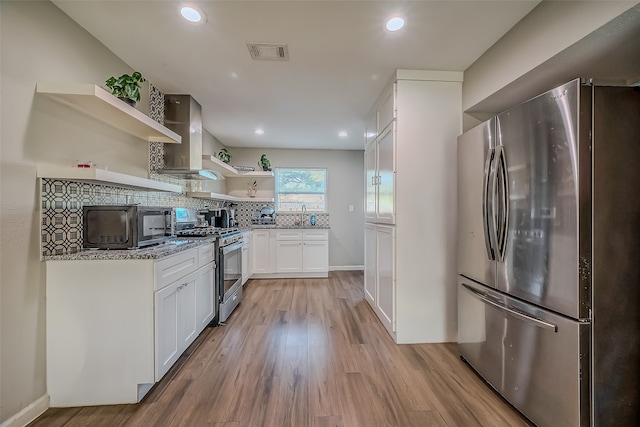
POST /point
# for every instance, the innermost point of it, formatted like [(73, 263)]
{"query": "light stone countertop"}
[(290, 227), (150, 252)]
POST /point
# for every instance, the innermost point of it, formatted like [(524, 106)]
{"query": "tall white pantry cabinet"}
[(410, 205)]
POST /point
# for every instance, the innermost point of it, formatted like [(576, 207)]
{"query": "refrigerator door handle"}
[(515, 313), (488, 217), (502, 193)]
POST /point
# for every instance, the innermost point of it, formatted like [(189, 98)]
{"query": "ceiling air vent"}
[(269, 51)]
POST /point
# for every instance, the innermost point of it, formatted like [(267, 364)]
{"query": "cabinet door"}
[(245, 264), (386, 177), (370, 264), (260, 249), (386, 294), (372, 128), (205, 307), (187, 322), (315, 256), (371, 176), (167, 342), (288, 256), (387, 110)]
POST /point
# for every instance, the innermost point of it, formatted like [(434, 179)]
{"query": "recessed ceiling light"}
[(395, 23), (259, 131), (192, 14), (343, 134)]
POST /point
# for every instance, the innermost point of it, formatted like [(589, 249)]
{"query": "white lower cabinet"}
[(176, 323), (315, 256), (302, 251), (379, 275), (246, 257), (385, 303), (261, 249), (289, 256), (370, 263), (205, 304), (115, 327)]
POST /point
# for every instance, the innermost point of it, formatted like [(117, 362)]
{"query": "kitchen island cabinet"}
[(116, 326)]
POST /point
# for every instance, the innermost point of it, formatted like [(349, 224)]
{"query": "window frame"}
[(277, 192)]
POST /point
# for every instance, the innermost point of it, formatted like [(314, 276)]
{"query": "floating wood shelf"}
[(101, 105), (226, 197), (210, 162), (100, 176)]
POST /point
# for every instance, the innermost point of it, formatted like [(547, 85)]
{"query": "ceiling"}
[(341, 57)]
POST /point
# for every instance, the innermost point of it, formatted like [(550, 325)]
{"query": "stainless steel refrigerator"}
[(549, 255)]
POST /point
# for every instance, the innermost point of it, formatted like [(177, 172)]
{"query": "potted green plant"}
[(224, 155), (126, 87), (264, 163)]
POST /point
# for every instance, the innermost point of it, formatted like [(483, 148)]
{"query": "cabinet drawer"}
[(288, 234), (315, 234), (205, 255), (170, 269)]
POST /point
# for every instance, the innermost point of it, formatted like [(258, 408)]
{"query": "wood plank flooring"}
[(306, 352)]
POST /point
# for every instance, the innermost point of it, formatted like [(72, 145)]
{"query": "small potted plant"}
[(264, 163), (224, 155), (126, 87)]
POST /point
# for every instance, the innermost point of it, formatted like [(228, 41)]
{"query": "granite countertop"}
[(150, 252), (289, 227)]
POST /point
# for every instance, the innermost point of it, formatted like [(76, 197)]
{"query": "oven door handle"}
[(232, 247)]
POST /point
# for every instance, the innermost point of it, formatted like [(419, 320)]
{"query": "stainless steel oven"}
[(230, 273)]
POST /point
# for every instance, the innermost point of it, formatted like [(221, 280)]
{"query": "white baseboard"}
[(28, 414), (346, 267)]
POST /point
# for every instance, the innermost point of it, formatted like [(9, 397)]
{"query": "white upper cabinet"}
[(380, 163)]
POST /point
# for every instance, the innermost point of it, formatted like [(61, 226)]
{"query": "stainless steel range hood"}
[(183, 115)]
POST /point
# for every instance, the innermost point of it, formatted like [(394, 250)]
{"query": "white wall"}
[(345, 186), (547, 30), (40, 43)]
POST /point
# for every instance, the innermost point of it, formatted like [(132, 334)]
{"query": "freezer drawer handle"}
[(515, 313)]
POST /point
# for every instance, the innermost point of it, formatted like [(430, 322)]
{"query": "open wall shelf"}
[(101, 176), (101, 105)]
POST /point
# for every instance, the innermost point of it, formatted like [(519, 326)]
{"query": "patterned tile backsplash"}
[(62, 201)]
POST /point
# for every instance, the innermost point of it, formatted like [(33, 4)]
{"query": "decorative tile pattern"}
[(156, 112), (244, 212), (62, 202)]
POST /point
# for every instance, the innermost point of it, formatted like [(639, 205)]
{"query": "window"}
[(297, 187)]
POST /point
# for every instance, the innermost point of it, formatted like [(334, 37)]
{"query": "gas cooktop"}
[(206, 231)]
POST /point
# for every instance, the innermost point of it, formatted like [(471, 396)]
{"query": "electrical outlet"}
[(350, 208)]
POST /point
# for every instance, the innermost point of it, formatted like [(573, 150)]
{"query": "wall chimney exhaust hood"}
[(183, 115)]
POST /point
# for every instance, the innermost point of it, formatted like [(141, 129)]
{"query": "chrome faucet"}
[(304, 211)]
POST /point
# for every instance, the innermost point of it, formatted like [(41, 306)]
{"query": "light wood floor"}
[(306, 352)]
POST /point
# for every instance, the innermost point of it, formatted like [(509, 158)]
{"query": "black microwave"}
[(126, 226)]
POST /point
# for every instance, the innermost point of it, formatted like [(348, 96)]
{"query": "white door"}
[(205, 307), (370, 265), (288, 256), (386, 177), (315, 257), (260, 249), (386, 276), (167, 342)]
